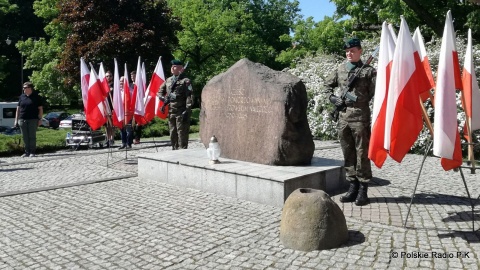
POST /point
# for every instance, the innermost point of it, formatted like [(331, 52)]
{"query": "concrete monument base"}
[(254, 182)]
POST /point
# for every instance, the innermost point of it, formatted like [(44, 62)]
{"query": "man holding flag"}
[(176, 92), (357, 83)]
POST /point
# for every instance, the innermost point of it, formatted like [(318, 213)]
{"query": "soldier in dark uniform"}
[(354, 120), (176, 91)]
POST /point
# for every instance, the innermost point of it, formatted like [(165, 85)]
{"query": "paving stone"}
[(127, 223)]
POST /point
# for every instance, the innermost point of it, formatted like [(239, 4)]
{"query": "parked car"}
[(54, 118), (67, 122), (9, 130), (44, 123)]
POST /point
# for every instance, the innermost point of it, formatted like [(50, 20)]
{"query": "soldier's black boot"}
[(362, 198), (352, 192)]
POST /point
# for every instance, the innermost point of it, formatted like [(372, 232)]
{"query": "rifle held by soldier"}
[(347, 95)]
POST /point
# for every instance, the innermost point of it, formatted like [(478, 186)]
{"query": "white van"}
[(7, 113)]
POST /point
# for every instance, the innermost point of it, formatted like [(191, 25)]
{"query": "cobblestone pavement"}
[(88, 210)]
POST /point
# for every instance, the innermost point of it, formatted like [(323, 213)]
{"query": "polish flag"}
[(403, 120), (446, 139), (106, 89), (426, 85), (103, 79), (139, 90), (158, 77), (84, 78), (471, 92), (376, 150), (144, 77), (127, 98), (392, 33), (95, 114), (143, 120), (118, 108)]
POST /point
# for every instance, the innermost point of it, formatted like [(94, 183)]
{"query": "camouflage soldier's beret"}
[(353, 42), (176, 62)]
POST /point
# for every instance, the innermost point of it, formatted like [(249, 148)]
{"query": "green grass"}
[(50, 140)]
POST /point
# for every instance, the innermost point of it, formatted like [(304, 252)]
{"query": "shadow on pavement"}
[(440, 199), (469, 236), (15, 169), (462, 216), (379, 182), (354, 238)]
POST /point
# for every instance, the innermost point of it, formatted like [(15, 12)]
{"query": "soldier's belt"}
[(357, 104)]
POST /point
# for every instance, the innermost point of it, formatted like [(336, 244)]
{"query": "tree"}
[(17, 22), (427, 14), (310, 38), (101, 30), (5, 8), (216, 34)]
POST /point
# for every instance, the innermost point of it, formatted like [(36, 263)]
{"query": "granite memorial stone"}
[(258, 115)]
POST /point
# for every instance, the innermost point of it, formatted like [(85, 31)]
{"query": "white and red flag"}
[(446, 139), (151, 100), (139, 90), (84, 79), (392, 33), (376, 150), (143, 120), (103, 79), (471, 92), (426, 85), (95, 114), (403, 121), (106, 89), (127, 98), (118, 107), (144, 78)]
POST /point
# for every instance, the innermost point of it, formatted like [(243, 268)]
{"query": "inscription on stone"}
[(257, 115)]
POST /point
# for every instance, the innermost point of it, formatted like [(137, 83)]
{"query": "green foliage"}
[(156, 128), (216, 34), (310, 38), (101, 30), (47, 140), (429, 15)]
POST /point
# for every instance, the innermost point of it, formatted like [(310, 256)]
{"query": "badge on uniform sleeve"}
[(188, 83)]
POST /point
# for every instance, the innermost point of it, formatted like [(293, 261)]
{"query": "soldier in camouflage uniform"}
[(176, 91), (354, 120)]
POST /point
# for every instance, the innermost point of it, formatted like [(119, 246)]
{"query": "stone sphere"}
[(311, 220)]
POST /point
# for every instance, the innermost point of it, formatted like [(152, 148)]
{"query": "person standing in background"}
[(28, 117), (109, 128), (126, 133), (137, 129)]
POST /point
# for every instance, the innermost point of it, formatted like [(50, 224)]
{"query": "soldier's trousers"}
[(354, 139), (178, 131)]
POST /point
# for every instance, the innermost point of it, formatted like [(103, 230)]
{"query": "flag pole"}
[(425, 117), (468, 122)]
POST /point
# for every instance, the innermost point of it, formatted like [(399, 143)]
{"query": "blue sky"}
[(316, 8)]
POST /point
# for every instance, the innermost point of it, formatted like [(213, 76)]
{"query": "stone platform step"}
[(254, 182)]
